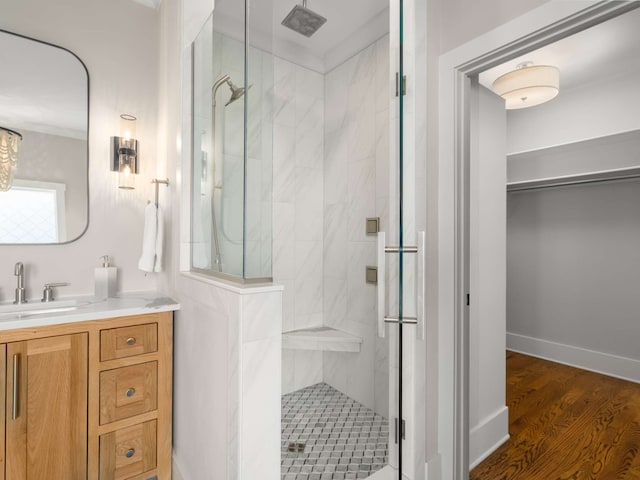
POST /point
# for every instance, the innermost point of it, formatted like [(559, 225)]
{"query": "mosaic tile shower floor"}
[(342, 438)]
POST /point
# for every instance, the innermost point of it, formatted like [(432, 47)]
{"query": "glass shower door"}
[(401, 256)]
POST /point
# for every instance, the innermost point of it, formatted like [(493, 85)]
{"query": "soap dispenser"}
[(106, 278)]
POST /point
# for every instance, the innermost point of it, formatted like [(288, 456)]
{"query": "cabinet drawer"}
[(128, 452), (128, 341), (128, 391)]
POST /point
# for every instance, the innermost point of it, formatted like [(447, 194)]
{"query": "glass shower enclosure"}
[(231, 227), (346, 153)]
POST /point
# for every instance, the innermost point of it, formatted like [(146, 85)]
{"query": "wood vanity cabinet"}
[(46, 415), (87, 400)]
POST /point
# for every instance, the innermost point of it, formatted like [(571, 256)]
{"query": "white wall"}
[(588, 111), (298, 160), (356, 186), (464, 20), (488, 420), (227, 395), (330, 173), (115, 218)]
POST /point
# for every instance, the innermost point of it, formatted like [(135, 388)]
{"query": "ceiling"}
[(351, 25), (609, 49), (343, 18)]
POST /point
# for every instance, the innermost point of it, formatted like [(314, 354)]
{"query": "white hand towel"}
[(151, 259), (157, 267)]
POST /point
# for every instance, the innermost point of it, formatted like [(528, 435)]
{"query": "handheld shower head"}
[(236, 92), (304, 21)]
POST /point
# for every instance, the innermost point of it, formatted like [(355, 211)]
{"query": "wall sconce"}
[(124, 153), (10, 141)]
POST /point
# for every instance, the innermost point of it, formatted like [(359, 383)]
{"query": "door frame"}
[(544, 25)]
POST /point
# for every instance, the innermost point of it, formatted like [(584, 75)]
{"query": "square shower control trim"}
[(373, 225), (371, 275)]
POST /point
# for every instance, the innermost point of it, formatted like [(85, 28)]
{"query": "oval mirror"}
[(44, 131)]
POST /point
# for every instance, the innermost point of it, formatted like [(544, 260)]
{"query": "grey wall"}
[(573, 266)]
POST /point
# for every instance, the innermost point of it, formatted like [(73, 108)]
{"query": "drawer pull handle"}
[(130, 453), (130, 392), (131, 341)]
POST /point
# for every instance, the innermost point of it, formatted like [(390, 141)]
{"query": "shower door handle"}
[(381, 288), (420, 286)]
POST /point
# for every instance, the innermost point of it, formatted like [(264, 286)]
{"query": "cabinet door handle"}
[(130, 453), (16, 381), (130, 392), (131, 341)]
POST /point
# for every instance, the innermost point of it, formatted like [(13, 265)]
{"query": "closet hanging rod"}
[(157, 182), (560, 182)]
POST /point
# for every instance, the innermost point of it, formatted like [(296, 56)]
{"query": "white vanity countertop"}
[(85, 308)]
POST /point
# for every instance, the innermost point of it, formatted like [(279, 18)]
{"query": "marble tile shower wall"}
[(356, 186), (331, 172), (298, 210)]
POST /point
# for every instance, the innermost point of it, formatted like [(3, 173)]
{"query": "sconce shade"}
[(528, 86), (124, 153), (10, 142), (126, 171), (127, 126)]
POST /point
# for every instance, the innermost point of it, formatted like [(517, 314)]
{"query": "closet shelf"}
[(599, 159), (321, 339), (591, 177)]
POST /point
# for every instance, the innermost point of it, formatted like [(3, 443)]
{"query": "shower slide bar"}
[(382, 317)]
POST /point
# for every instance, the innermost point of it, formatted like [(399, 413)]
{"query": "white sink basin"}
[(39, 308)]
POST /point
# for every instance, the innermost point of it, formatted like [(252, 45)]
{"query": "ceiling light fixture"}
[(10, 141), (528, 85)]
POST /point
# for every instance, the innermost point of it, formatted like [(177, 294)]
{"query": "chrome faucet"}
[(19, 272)]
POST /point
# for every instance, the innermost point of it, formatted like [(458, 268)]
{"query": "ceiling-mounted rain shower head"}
[(304, 21)]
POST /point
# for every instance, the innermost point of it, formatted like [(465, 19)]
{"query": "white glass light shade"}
[(9, 152), (528, 86)]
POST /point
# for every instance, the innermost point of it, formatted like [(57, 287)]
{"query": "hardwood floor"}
[(566, 424)]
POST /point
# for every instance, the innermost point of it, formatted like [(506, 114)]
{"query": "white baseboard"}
[(175, 471), (612, 365), (486, 437), (433, 468)]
